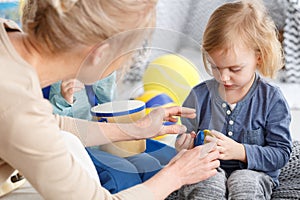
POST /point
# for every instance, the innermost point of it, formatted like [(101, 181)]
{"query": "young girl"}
[(250, 115)]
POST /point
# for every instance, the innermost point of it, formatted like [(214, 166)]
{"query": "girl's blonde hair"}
[(61, 25), (247, 22)]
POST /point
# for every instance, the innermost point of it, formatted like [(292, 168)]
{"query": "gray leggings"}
[(241, 184)]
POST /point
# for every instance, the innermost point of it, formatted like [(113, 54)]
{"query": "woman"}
[(65, 39)]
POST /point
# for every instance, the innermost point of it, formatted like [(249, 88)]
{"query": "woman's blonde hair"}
[(63, 24), (247, 22)]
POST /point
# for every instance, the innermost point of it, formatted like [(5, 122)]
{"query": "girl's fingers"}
[(222, 156), (180, 140), (188, 141), (220, 149), (191, 145), (193, 134), (217, 134), (185, 141)]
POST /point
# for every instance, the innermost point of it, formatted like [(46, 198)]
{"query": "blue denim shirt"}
[(260, 121)]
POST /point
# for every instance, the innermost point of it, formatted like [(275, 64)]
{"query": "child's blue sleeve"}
[(105, 88), (59, 104)]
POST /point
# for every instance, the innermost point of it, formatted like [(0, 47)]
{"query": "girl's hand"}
[(228, 148), (185, 141)]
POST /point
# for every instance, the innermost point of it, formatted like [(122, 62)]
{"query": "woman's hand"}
[(185, 168), (192, 167), (228, 148), (152, 124), (149, 126), (185, 141)]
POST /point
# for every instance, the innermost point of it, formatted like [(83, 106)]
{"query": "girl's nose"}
[(224, 75)]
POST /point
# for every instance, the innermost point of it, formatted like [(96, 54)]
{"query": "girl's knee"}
[(249, 184), (212, 188)]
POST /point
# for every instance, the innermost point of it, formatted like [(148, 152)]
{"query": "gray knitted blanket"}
[(289, 179)]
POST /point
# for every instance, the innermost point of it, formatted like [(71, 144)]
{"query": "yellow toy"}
[(173, 75)]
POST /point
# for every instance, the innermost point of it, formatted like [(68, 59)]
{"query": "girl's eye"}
[(236, 69)]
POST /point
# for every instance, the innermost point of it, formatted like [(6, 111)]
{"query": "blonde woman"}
[(86, 40)]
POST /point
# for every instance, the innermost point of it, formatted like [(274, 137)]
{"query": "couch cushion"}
[(290, 177)]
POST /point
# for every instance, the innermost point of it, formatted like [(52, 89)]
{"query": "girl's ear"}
[(98, 53), (259, 59)]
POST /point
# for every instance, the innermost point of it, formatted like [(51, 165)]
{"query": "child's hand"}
[(68, 87), (185, 141), (228, 148)]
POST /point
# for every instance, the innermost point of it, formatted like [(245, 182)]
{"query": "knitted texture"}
[(291, 43), (289, 179)]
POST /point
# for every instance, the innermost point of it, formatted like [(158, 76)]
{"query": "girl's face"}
[(234, 69)]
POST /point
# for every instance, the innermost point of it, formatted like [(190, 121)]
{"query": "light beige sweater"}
[(30, 138)]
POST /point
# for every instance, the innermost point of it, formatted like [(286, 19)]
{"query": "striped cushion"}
[(291, 43)]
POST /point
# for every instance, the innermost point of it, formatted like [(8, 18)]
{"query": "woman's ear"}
[(98, 53)]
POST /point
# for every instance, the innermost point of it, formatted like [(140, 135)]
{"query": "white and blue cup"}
[(124, 111)]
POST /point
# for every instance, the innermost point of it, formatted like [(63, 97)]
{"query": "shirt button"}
[(231, 122), (230, 133), (224, 105), (228, 112)]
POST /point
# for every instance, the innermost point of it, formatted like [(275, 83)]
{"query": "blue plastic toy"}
[(199, 140)]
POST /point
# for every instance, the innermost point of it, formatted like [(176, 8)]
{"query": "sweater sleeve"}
[(276, 152), (32, 143)]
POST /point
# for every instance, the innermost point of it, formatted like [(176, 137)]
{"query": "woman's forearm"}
[(163, 183), (97, 133)]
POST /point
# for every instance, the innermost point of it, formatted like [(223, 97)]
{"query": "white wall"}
[(295, 125)]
